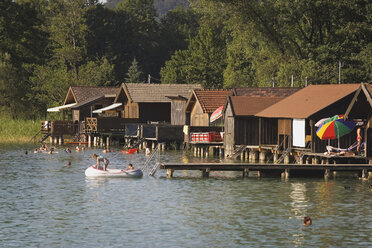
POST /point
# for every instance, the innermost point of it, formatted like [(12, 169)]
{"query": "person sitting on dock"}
[(101, 159), (350, 151)]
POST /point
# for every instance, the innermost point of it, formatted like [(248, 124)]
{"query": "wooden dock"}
[(285, 170)]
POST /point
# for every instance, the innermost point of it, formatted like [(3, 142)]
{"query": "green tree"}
[(134, 73)]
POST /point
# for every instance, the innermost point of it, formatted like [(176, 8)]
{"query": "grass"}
[(18, 131)]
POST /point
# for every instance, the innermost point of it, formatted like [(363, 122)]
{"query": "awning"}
[(57, 109), (112, 106)]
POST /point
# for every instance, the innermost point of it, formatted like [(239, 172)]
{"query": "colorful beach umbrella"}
[(216, 114), (334, 128)]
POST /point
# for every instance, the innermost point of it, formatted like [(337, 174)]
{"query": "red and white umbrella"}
[(216, 114)]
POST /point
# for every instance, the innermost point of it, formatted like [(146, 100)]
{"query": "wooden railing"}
[(62, 128), (91, 125)]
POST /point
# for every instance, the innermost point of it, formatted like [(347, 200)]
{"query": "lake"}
[(45, 203)]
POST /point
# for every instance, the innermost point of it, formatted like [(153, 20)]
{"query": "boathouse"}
[(78, 107), (147, 103), (360, 108), (202, 103), (296, 116), (242, 128)]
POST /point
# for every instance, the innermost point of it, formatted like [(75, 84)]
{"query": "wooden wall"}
[(246, 130), (178, 116), (197, 117), (229, 142), (269, 131)]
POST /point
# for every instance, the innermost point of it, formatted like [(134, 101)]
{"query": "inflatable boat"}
[(93, 172)]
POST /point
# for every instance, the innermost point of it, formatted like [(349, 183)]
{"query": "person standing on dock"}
[(359, 139)]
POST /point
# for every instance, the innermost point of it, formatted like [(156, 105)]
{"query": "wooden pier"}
[(364, 170)]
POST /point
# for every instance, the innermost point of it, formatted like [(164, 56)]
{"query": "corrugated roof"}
[(210, 100), (308, 101), (83, 93), (266, 91), (246, 105), (159, 92)]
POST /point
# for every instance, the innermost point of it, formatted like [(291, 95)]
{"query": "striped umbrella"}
[(334, 128)]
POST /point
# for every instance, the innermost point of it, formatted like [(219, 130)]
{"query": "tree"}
[(134, 73)]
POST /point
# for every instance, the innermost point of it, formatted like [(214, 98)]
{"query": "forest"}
[(47, 46)]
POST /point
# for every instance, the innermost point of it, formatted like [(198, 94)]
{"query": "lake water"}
[(44, 203)]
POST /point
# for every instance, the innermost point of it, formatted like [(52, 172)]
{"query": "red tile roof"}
[(308, 101), (210, 100), (246, 105)]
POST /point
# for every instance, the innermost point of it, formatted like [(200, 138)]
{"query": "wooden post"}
[(242, 156), (285, 174), (170, 173), (51, 140), (262, 156), (55, 140), (95, 141), (364, 174), (205, 173), (275, 157), (89, 140), (247, 155), (107, 142), (308, 160), (60, 140), (246, 172), (195, 151), (327, 174), (286, 159)]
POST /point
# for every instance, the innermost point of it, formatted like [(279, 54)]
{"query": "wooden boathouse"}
[(295, 118), (201, 134), (245, 132), (100, 113)]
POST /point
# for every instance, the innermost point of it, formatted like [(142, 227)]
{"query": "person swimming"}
[(307, 221)]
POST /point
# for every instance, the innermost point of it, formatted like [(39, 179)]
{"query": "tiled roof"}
[(159, 92), (266, 91), (210, 100), (83, 93), (308, 101), (246, 105)]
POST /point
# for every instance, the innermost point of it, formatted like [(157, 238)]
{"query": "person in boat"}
[(307, 221), (102, 159), (130, 167)]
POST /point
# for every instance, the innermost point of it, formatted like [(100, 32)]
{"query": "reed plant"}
[(18, 131)]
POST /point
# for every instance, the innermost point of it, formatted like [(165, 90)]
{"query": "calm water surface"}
[(44, 203)]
